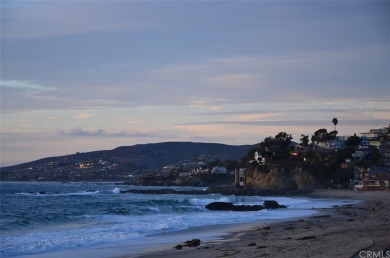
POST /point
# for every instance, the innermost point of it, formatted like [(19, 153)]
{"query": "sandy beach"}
[(342, 231)]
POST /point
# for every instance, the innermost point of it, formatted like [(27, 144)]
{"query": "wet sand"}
[(341, 231)]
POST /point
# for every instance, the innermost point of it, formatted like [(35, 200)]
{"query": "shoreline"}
[(341, 231)]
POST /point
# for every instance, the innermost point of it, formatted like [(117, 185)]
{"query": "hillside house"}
[(335, 144), (377, 177), (167, 171), (347, 165), (381, 134), (363, 151), (384, 150), (376, 183), (299, 152), (185, 174), (380, 139), (360, 172), (219, 170)]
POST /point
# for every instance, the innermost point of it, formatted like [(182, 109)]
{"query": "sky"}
[(79, 76)]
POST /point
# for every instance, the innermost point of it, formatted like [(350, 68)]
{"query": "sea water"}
[(43, 218)]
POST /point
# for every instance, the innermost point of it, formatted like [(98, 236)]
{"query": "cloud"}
[(24, 85), (102, 133), (203, 104), (22, 100), (84, 116), (295, 123), (81, 132), (371, 108)]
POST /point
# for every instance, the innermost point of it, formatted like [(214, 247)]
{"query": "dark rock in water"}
[(320, 216), (247, 207), (192, 243), (179, 247), (272, 205), (227, 206), (307, 238), (220, 206)]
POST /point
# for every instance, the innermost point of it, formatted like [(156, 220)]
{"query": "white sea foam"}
[(86, 192), (116, 190), (43, 194), (204, 202)]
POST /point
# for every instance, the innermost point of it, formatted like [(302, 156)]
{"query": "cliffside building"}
[(379, 139), (377, 176), (240, 177)]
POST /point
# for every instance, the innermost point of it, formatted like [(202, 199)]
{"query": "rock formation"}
[(228, 206), (278, 178)]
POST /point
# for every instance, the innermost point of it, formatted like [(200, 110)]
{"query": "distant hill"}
[(152, 155), (160, 154)]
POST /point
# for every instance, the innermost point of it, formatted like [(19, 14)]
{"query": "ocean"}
[(47, 219)]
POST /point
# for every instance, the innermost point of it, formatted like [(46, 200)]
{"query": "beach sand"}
[(341, 231)]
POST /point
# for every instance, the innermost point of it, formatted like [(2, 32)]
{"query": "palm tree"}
[(335, 122)]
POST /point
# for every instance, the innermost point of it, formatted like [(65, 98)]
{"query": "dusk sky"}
[(79, 76)]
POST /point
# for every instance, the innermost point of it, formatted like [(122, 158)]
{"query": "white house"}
[(219, 170)]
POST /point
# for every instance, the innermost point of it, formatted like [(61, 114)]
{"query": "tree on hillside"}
[(267, 143), (276, 148), (319, 136), (283, 139), (335, 122), (304, 139), (332, 135), (280, 141), (322, 135), (353, 141)]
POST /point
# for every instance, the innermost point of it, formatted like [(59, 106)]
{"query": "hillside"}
[(153, 155), (156, 155), (107, 164)]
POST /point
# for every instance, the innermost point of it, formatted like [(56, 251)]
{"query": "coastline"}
[(341, 231)]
